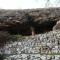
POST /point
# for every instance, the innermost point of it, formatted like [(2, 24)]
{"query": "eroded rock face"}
[(21, 21), (57, 26)]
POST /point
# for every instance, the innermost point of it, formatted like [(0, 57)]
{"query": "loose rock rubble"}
[(40, 47)]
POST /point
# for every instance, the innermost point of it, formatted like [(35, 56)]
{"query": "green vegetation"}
[(1, 57), (6, 37), (19, 37)]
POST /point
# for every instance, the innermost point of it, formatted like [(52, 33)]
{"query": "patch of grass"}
[(19, 37)]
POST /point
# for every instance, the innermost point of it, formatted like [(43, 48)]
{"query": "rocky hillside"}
[(40, 47), (44, 46), (27, 22)]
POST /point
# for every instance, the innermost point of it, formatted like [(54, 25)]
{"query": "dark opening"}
[(46, 26)]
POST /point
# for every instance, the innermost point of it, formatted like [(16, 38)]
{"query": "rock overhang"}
[(22, 20)]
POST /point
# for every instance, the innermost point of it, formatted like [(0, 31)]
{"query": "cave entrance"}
[(34, 29), (46, 26)]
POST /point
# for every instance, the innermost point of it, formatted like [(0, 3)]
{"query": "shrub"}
[(5, 37), (1, 57)]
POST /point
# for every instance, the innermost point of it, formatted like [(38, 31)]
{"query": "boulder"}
[(57, 26)]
